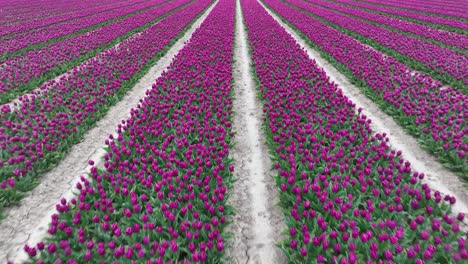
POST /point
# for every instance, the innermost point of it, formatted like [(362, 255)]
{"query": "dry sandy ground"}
[(258, 222), (27, 223), (437, 177)]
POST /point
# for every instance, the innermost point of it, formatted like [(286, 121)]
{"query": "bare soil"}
[(258, 222)]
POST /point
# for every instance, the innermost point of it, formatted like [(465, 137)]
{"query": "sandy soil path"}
[(258, 222)]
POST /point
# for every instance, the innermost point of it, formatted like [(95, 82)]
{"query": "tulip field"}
[(169, 185)]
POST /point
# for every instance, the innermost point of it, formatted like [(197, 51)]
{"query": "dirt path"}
[(258, 222), (437, 177), (28, 222)]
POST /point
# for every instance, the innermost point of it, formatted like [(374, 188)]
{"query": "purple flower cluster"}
[(17, 12), (436, 58), (416, 101), (43, 128), (448, 38), (348, 197), (21, 70), (445, 8), (162, 196), (22, 38), (457, 24)]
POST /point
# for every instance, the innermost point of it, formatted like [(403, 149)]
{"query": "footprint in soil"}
[(260, 245)]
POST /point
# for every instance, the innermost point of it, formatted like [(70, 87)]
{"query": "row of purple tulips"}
[(30, 70), (448, 66), (416, 101), (24, 39), (347, 196), (450, 39), (35, 135), (438, 22), (444, 8), (15, 12), (162, 195)]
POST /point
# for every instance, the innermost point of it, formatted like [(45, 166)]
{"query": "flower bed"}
[(35, 136), (440, 37), (24, 39), (347, 197), (15, 12), (433, 8), (448, 66), (433, 115), (436, 22), (162, 195), (30, 70)]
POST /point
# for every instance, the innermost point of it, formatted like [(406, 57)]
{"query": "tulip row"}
[(25, 40), (436, 22), (18, 6), (12, 29), (347, 197), (453, 10), (19, 12), (37, 134), (162, 195), (30, 70), (435, 116), (439, 37), (446, 65)]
